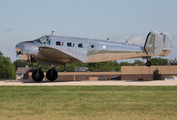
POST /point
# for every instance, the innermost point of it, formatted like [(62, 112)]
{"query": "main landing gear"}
[(52, 74), (38, 75)]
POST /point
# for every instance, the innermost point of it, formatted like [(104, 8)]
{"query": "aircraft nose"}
[(18, 47), (26, 48)]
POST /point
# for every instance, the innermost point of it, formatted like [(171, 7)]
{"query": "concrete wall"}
[(146, 73), (149, 70), (68, 76), (127, 73)]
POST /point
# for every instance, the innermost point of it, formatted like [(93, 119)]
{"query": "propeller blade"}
[(18, 53)]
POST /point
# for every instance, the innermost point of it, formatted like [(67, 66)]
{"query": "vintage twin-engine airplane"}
[(59, 50)]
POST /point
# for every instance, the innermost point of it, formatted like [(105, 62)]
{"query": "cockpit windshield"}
[(43, 40)]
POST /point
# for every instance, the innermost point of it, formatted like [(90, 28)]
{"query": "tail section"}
[(167, 44), (158, 44)]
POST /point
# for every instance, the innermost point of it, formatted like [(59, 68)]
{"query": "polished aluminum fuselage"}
[(60, 50)]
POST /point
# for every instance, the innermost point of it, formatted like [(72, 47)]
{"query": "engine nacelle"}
[(28, 58)]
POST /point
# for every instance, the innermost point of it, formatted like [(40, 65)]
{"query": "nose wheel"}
[(148, 63), (37, 75), (52, 74)]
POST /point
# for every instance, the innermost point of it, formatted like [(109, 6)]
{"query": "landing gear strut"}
[(52, 74), (37, 75)]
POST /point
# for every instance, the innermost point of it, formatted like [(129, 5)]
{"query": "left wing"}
[(55, 55)]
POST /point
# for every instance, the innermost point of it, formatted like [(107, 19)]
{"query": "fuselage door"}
[(81, 49)]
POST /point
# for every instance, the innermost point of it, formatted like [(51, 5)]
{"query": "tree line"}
[(8, 69)]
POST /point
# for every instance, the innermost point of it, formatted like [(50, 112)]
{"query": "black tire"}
[(52, 76), (37, 77), (148, 63)]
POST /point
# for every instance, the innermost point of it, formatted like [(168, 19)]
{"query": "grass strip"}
[(88, 102)]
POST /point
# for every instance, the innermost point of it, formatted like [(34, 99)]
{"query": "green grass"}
[(88, 102)]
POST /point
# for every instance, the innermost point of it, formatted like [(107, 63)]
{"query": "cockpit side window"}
[(43, 40)]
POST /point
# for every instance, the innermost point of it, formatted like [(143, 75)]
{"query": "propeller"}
[(18, 53)]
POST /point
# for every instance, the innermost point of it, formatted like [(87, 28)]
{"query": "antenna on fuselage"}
[(108, 39), (52, 33), (127, 41)]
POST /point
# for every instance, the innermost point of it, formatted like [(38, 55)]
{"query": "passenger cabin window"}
[(69, 44), (59, 43), (80, 45)]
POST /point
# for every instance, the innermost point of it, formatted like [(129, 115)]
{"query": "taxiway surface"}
[(87, 83)]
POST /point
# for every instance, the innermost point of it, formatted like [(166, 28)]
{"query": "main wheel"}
[(52, 74), (38, 75), (148, 63)]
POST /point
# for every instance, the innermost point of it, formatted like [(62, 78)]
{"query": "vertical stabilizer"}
[(167, 44), (154, 43)]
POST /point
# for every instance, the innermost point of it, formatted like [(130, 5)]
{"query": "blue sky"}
[(22, 20)]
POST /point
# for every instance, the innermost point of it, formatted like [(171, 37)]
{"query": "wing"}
[(55, 56)]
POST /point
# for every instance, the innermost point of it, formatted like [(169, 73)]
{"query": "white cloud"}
[(9, 30), (138, 40), (174, 38), (123, 40), (175, 44)]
